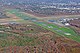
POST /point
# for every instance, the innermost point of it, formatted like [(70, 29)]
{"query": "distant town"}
[(44, 8)]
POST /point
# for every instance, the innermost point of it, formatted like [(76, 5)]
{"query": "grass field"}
[(12, 35), (61, 31)]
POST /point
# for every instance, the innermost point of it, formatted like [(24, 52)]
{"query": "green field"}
[(61, 31)]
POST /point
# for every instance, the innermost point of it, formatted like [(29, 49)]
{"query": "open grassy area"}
[(6, 40), (21, 34)]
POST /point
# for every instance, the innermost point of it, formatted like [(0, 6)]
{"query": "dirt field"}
[(22, 38)]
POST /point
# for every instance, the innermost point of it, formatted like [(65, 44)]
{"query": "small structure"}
[(67, 24)]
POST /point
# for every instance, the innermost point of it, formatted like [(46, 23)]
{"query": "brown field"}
[(51, 17), (75, 23), (30, 38)]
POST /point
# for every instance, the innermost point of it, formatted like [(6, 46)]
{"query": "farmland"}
[(28, 34), (22, 33), (62, 31)]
